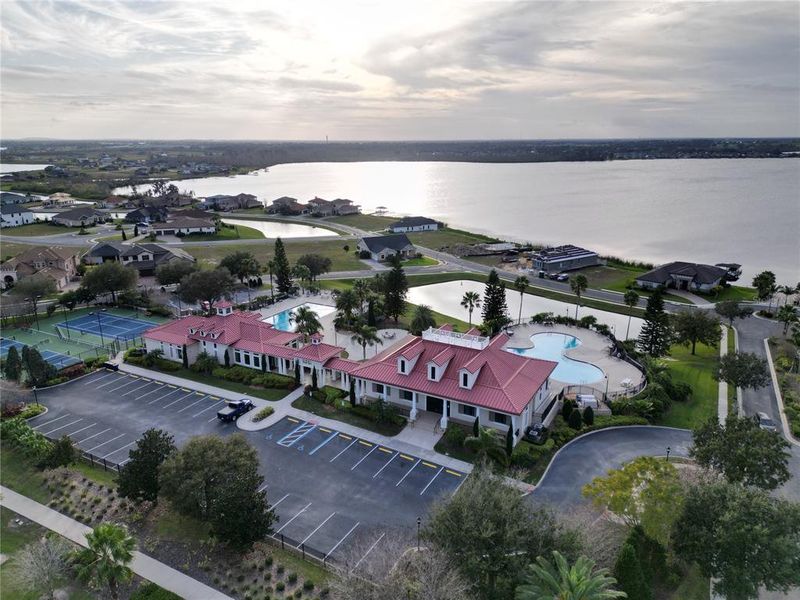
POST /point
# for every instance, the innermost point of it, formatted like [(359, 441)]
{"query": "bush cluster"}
[(22, 437), (247, 376), (263, 413)]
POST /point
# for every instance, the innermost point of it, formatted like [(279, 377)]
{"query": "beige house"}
[(58, 263)]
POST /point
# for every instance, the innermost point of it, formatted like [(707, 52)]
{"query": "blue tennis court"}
[(58, 360), (110, 326)]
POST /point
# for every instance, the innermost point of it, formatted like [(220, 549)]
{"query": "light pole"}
[(605, 395), (66, 320), (419, 524), (99, 325), (35, 396), (668, 451), (34, 300)]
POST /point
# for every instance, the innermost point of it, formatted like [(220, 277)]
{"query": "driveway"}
[(594, 454)]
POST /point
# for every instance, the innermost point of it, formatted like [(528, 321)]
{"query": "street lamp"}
[(66, 320), (35, 396), (419, 524), (668, 451), (605, 395)]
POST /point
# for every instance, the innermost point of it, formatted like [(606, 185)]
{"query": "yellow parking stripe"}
[(199, 394), (367, 444), (385, 450), (325, 430), (346, 437), (457, 474), (174, 387), (427, 464), (185, 390), (214, 397), (406, 457), (132, 375), (292, 420)]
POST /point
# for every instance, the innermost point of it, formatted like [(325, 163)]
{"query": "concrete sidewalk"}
[(144, 566), (722, 398)]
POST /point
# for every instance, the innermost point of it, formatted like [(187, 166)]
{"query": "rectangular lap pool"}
[(284, 319)]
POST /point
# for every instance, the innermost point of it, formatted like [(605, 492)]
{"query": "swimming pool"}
[(283, 320), (552, 346)]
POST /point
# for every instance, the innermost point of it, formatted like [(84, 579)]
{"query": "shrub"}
[(455, 435), (308, 585), (151, 591), (280, 586), (263, 413), (575, 421), (292, 578), (588, 416), (566, 409), (31, 411), (20, 435)]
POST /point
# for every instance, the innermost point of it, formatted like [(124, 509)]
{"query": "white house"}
[(185, 226), (410, 224), (14, 215), (383, 247)]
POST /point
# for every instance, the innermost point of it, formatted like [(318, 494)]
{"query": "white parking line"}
[(82, 429), (144, 385), (62, 427), (339, 543), (396, 454), (316, 529), (343, 451), (179, 399), (94, 436), (118, 449), (279, 501), (431, 481), (106, 442), (371, 548), (153, 391), (209, 408), (126, 384), (96, 379), (177, 389), (263, 487), (375, 447), (52, 421), (112, 382), (202, 397), (302, 510), (408, 473)]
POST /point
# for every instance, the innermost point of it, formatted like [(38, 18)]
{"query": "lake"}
[(446, 299), (4, 169), (745, 210), (272, 229)]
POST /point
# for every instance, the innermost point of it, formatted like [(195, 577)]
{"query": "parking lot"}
[(327, 487)]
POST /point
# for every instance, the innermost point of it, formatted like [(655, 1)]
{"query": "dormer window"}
[(432, 372), (465, 380), (401, 366)]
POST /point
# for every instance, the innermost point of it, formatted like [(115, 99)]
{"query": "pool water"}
[(551, 346), (283, 320)]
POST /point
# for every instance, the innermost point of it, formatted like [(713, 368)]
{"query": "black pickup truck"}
[(234, 409)]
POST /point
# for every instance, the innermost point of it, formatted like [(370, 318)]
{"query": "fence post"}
[(282, 542), (303, 549), (105, 466)]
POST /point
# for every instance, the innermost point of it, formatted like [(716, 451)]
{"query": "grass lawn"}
[(424, 261), (20, 475), (14, 538), (734, 292), (343, 414), (447, 237), (236, 232), (333, 249), (365, 222), (732, 398), (45, 228), (441, 319), (697, 371)]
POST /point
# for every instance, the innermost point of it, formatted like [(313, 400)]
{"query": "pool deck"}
[(593, 349)]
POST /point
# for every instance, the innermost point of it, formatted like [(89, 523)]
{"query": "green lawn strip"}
[(46, 228), (343, 414), (171, 525), (365, 222), (235, 232), (333, 249), (448, 237), (734, 292), (424, 261), (697, 371), (732, 397), (20, 475), (14, 538)]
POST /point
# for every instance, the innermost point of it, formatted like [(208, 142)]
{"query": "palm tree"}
[(366, 336), (471, 301), (346, 303), (271, 269), (787, 316), (339, 322), (361, 288), (578, 285), (788, 290), (301, 273), (562, 582), (631, 299), (521, 284), (486, 445), (106, 560), (306, 321), (422, 319)]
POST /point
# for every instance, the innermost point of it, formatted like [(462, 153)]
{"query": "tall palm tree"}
[(346, 303), (788, 290), (422, 319), (366, 336), (306, 321), (301, 273), (271, 269), (486, 445), (631, 299), (561, 582), (106, 560), (578, 285), (361, 288), (521, 284), (787, 316), (471, 301)]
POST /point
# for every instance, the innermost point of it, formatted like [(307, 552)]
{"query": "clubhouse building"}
[(459, 376)]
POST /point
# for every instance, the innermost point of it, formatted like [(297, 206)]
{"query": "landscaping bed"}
[(333, 403), (784, 358)]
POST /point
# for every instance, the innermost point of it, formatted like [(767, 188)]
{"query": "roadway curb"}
[(786, 431)]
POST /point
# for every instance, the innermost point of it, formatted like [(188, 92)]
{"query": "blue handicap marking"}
[(269, 436), (300, 447)]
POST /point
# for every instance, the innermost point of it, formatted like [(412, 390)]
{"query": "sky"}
[(389, 70)]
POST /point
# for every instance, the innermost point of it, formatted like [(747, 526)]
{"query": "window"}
[(496, 417), (256, 362), (465, 380), (406, 395), (180, 353), (402, 366), (432, 372), (236, 355), (377, 388), (466, 410), (247, 358)]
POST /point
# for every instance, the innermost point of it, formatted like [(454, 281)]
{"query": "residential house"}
[(286, 205), (683, 276), (563, 258), (184, 226), (14, 215), (78, 216), (57, 262), (319, 207), (12, 198), (58, 199), (194, 213), (342, 206), (225, 203), (145, 258), (113, 202), (147, 214), (383, 247), (409, 224), (176, 198)]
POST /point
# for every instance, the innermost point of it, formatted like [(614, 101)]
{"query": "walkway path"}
[(143, 565), (722, 399)]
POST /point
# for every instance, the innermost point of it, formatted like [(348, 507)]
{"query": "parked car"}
[(234, 409), (766, 423), (536, 434), (562, 277)]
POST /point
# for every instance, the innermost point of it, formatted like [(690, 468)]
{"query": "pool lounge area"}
[(283, 320), (554, 346)]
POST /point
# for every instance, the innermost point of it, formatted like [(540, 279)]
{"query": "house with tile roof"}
[(409, 224), (58, 263), (79, 216), (145, 258), (683, 276), (384, 247)]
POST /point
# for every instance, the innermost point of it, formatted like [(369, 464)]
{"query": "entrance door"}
[(435, 405)]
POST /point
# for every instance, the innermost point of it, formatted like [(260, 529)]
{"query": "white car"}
[(766, 423)]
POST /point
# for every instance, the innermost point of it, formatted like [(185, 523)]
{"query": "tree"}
[(645, 492), (138, 478), (471, 301), (743, 537), (314, 383), (316, 264), (301, 274), (787, 316), (217, 480), (566, 408), (630, 576), (109, 278), (296, 374), (174, 271), (394, 297), (574, 420), (283, 273), (185, 356), (494, 304), (136, 230), (12, 367), (509, 441), (545, 580), (588, 416), (242, 265), (692, 326), (366, 336), (105, 561), (521, 284), (352, 392), (124, 237), (732, 310), (306, 322), (578, 286), (765, 286), (207, 286), (422, 319), (37, 368), (42, 564), (227, 358), (33, 288), (743, 452), (361, 289), (205, 363), (490, 532), (486, 445), (744, 370), (476, 427), (346, 303), (656, 334), (63, 453), (631, 300)]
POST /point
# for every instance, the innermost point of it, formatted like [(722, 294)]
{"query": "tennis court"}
[(107, 325), (58, 360)]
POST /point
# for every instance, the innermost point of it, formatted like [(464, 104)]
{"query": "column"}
[(413, 415), (514, 427), (443, 420)]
